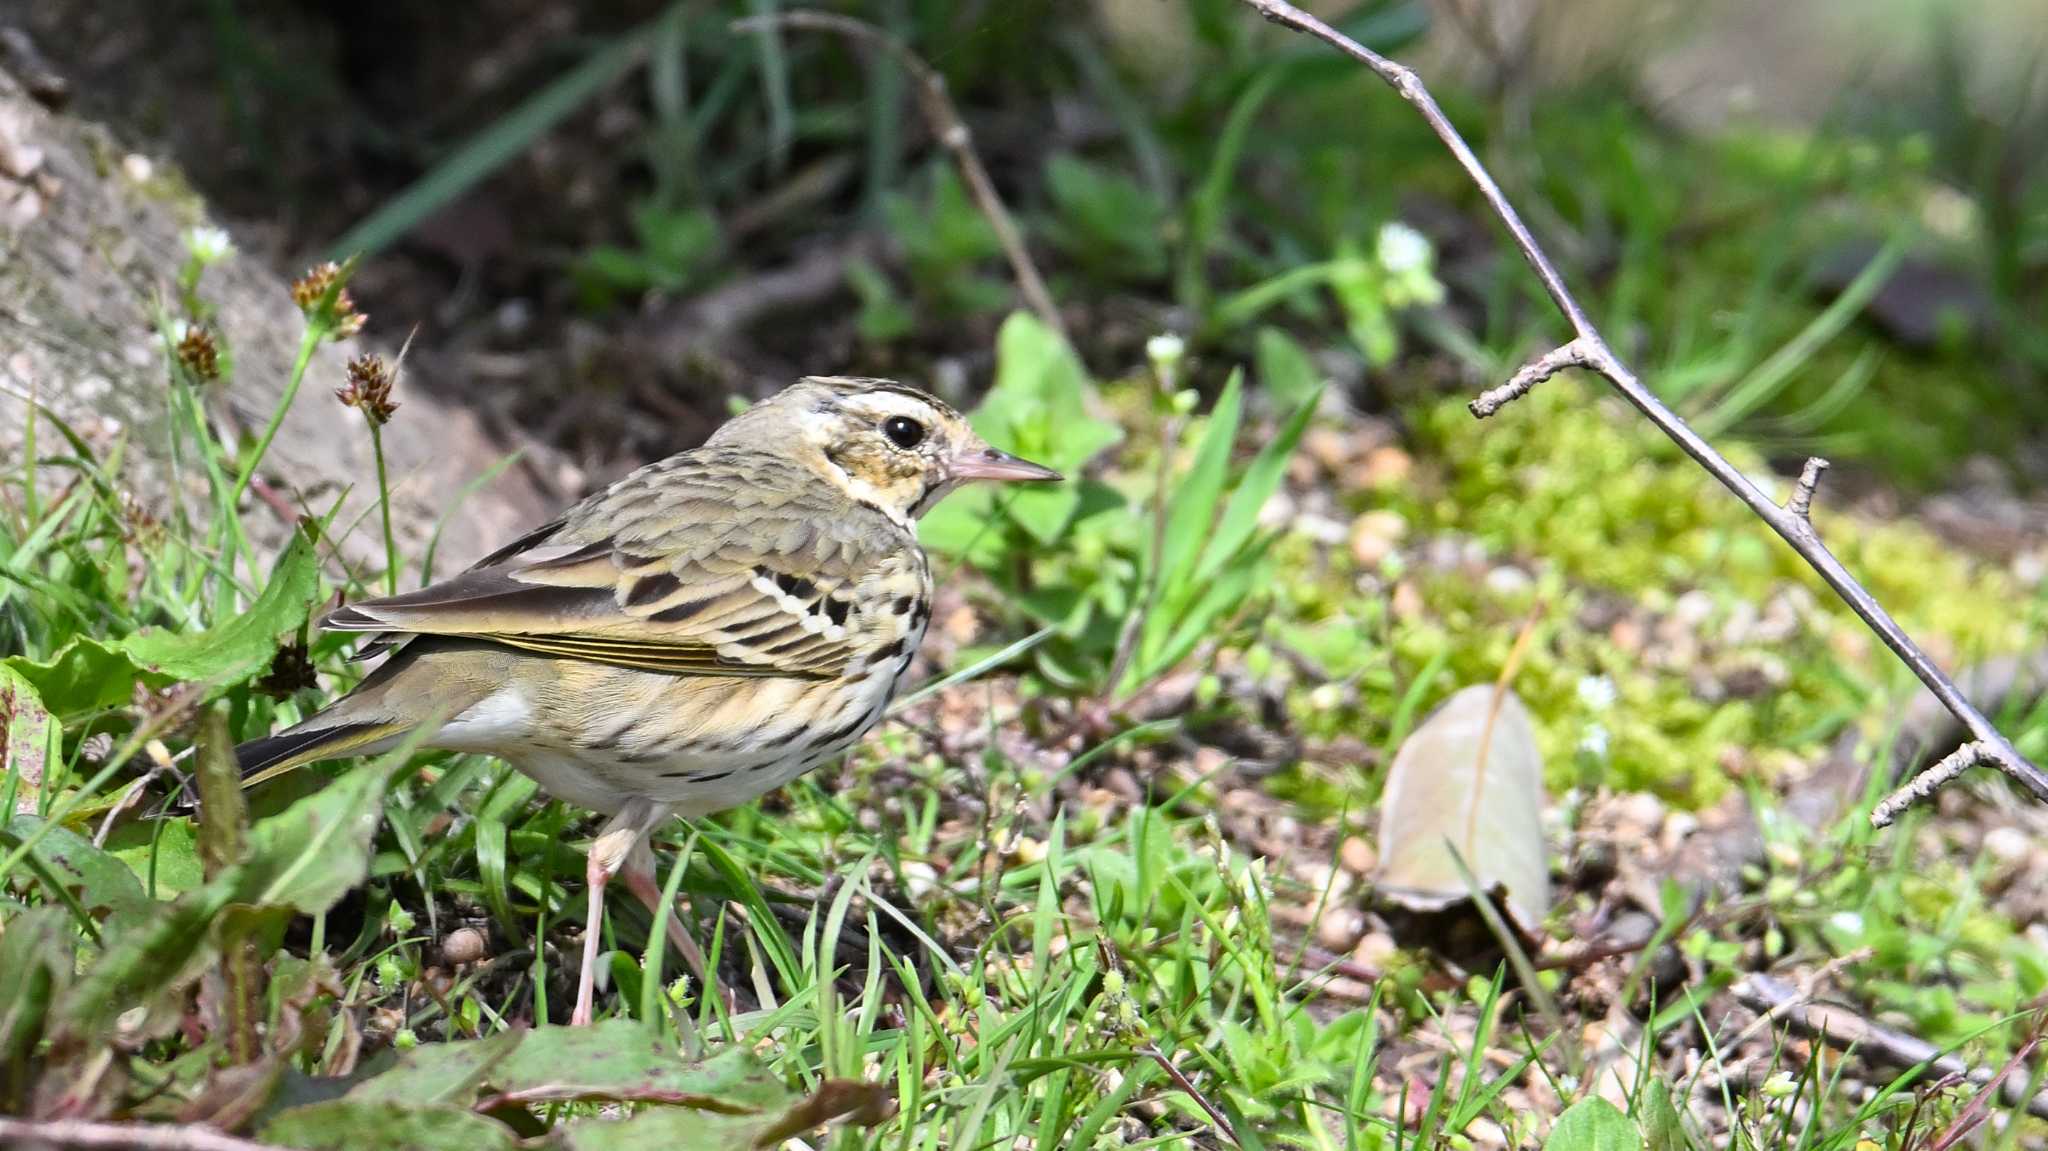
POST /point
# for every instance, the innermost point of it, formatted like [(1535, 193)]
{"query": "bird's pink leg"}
[(639, 877), (614, 845)]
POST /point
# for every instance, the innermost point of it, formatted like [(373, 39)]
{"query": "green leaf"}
[(304, 858), (314, 852), (1285, 370), (146, 967), (372, 1125), (163, 854), (1593, 1124), (86, 676), (668, 1129), (30, 741), (1662, 1128), (620, 1061), (439, 1072), (103, 885), (35, 962), (1038, 409), (1268, 469), (1044, 510), (1192, 513), (231, 651)]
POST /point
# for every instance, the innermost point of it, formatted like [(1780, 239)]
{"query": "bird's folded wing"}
[(771, 598)]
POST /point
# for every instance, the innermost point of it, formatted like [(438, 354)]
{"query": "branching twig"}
[(951, 131), (1532, 373), (1588, 349), (121, 1136), (1846, 1030)]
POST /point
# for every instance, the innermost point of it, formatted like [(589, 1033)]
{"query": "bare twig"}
[(951, 131), (1532, 373), (1842, 1028), (1928, 782), (1800, 503), (1791, 521), (121, 1136)]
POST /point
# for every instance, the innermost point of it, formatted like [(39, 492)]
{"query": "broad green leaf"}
[(103, 885), (229, 651), (373, 1125), (965, 525), (671, 1129), (619, 1060), (439, 1072), (1260, 481), (86, 676), (35, 963), (163, 854), (1045, 510), (1191, 513), (1285, 370), (30, 741), (1593, 1124), (1038, 407), (1469, 780), (145, 967), (314, 852), (304, 858)]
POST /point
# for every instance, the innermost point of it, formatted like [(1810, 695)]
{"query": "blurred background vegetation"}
[(1814, 229)]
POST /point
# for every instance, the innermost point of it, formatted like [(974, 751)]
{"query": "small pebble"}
[(1375, 535), (2007, 845), (1375, 950), (1383, 468), (464, 945), (1358, 856)]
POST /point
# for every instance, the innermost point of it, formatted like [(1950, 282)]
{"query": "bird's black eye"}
[(903, 431)]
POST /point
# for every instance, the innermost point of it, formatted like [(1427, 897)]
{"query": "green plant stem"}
[(384, 507), (316, 331)]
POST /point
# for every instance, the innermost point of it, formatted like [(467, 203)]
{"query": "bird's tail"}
[(322, 737), (419, 686)]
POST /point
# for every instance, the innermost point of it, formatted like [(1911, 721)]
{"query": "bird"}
[(698, 633)]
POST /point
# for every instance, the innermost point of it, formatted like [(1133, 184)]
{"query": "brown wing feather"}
[(704, 564)]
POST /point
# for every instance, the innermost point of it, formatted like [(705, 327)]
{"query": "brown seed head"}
[(369, 388), (290, 671), (199, 353), (310, 293)]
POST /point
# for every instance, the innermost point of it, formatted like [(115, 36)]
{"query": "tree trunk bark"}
[(90, 251)]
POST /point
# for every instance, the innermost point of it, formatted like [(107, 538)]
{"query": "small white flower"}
[(180, 328), (1847, 922), (1402, 249), (1594, 742), (1597, 692), (208, 245), (1166, 350)]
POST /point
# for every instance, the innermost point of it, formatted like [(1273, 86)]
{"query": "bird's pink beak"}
[(984, 463)]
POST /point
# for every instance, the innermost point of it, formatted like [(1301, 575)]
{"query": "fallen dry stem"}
[(1589, 350), (951, 131)]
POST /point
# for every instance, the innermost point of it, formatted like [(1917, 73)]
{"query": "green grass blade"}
[(497, 145)]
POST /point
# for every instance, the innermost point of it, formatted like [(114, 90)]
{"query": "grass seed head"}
[(370, 382)]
